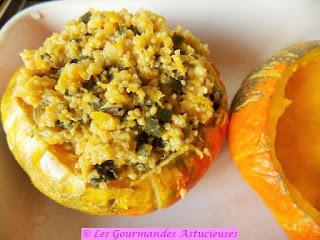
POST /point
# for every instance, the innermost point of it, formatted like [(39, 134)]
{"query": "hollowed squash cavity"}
[(298, 132), (274, 136), (294, 124)]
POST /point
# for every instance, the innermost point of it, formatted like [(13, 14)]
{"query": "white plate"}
[(240, 35)]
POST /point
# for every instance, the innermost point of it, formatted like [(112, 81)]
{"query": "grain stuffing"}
[(121, 93)]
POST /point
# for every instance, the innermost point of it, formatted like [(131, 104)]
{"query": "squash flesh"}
[(294, 128), (298, 140)]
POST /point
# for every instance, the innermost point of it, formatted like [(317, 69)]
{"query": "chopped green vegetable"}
[(85, 18), (122, 68), (45, 57), (81, 58), (177, 40), (64, 125), (74, 60), (59, 124), (66, 93), (215, 98), (95, 181), (116, 111), (103, 77), (106, 170), (163, 115), (175, 85), (141, 138), (149, 102), (157, 60), (111, 72), (158, 142), (122, 29), (38, 111), (134, 29), (96, 105), (187, 130), (216, 106), (77, 40), (152, 127), (89, 84), (58, 73)]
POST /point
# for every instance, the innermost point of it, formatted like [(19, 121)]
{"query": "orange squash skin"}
[(250, 149), (158, 190)]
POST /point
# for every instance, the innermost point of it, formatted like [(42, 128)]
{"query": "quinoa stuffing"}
[(122, 93)]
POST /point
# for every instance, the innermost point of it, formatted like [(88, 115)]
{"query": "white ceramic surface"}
[(240, 35)]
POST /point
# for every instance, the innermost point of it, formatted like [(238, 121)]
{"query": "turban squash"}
[(274, 136), (157, 190), (108, 187)]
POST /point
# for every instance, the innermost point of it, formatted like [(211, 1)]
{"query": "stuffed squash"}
[(119, 114)]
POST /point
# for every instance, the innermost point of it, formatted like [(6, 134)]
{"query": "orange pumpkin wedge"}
[(274, 136)]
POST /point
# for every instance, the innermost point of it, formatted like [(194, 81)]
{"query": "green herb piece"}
[(123, 68), (45, 57), (59, 124), (216, 106), (135, 30), (141, 138), (187, 130), (122, 29), (106, 170), (85, 18), (96, 105), (177, 40), (81, 58), (152, 127), (95, 182), (57, 74), (63, 125), (103, 76), (89, 84), (148, 102), (111, 73), (216, 98), (175, 85), (158, 142), (116, 111), (38, 111), (157, 57), (66, 93), (78, 40), (163, 115), (74, 60)]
